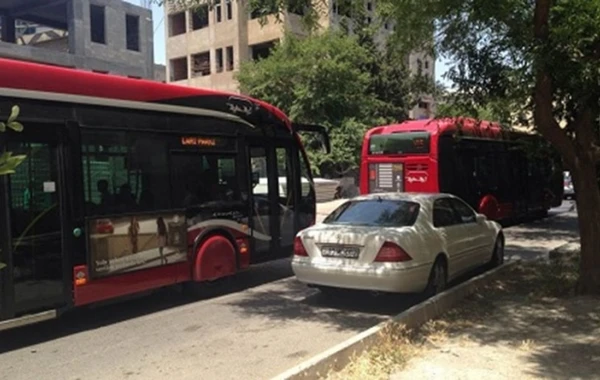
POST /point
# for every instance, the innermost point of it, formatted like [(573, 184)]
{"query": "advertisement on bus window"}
[(125, 244)]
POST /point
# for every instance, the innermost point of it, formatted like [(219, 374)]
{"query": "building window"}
[(218, 11), (132, 26), (369, 20), (97, 24), (261, 51), (229, 57), (200, 17), (419, 66), (229, 9), (201, 64), (268, 9), (177, 24), (179, 69), (369, 6), (219, 60), (298, 6), (426, 64)]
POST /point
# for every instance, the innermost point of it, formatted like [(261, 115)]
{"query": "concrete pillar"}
[(8, 30), (78, 33)]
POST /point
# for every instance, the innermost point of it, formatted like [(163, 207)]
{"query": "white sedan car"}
[(396, 242)]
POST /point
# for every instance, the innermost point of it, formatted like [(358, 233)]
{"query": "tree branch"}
[(544, 89)]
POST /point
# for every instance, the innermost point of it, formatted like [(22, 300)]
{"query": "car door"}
[(453, 234), (480, 242)]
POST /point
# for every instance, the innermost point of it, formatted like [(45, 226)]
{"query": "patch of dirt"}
[(525, 325)]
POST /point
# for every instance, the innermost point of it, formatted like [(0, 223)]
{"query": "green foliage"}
[(9, 162), (340, 81)]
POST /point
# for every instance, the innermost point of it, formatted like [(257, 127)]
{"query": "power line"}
[(159, 23)]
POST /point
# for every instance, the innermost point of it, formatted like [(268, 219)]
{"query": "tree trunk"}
[(587, 193)]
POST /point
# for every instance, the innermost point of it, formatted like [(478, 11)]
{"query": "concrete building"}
[(106, 36), (206, 46)]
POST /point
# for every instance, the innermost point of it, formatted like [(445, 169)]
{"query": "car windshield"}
[(375, 212)]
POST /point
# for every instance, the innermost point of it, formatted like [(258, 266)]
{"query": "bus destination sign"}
[(205, 142)]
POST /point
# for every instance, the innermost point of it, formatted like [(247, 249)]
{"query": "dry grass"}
[(398, 345), (527, 345)]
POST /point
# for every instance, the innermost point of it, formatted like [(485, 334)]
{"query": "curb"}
[(339, 356)]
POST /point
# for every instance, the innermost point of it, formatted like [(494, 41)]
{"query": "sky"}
[(441, 66)]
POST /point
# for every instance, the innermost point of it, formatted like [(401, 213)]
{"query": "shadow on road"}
[(352, 310), (535, 239), (343, 310), (83, 319)]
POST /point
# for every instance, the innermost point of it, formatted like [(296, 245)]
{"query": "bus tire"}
[(214, 265)]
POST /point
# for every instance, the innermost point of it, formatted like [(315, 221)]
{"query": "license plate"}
[(340, 252)]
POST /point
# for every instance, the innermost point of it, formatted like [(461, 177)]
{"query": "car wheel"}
[(498, 253), (438, 278)]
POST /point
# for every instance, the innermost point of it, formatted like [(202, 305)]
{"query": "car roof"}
[(405, 196)]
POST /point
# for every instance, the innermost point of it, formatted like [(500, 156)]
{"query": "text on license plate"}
[(341, 252)]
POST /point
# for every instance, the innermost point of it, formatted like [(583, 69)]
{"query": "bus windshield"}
[(400, 143)]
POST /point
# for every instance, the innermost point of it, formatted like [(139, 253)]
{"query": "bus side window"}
[(123, 172)]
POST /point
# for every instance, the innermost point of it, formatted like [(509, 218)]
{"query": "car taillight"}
[(299, 249), (391, 252)]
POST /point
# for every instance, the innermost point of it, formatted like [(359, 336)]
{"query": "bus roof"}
[(467, 126), (55, 79)]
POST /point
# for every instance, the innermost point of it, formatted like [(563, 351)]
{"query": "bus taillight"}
[(244, 251), (80, 275), (243, 246)]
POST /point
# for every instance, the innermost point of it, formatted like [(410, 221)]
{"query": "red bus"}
[(131, 185), (489, 167)]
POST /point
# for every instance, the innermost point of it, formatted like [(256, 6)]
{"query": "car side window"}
[(443, 213), (465, 213)]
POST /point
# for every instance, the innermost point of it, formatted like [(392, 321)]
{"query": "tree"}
[(540, 57), (334, 79), (318, 80), (8, 162)]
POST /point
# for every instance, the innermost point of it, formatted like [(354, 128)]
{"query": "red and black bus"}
[(130, 185), (497, 171)]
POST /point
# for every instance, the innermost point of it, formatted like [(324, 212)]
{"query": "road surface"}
[(261, 326)]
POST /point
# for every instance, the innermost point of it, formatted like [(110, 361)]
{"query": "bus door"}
[(287, 198), (32, 224), (264, 200)]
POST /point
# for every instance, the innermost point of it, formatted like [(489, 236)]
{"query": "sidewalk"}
[(521, 327), (527, 324)]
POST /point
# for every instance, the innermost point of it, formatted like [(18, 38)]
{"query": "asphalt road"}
[(262, 324)]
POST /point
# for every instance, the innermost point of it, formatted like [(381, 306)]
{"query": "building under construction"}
[(107, 36)]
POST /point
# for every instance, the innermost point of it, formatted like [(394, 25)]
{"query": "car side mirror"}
[(480, 218)]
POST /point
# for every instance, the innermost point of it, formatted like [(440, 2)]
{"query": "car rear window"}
[(375, 212)]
